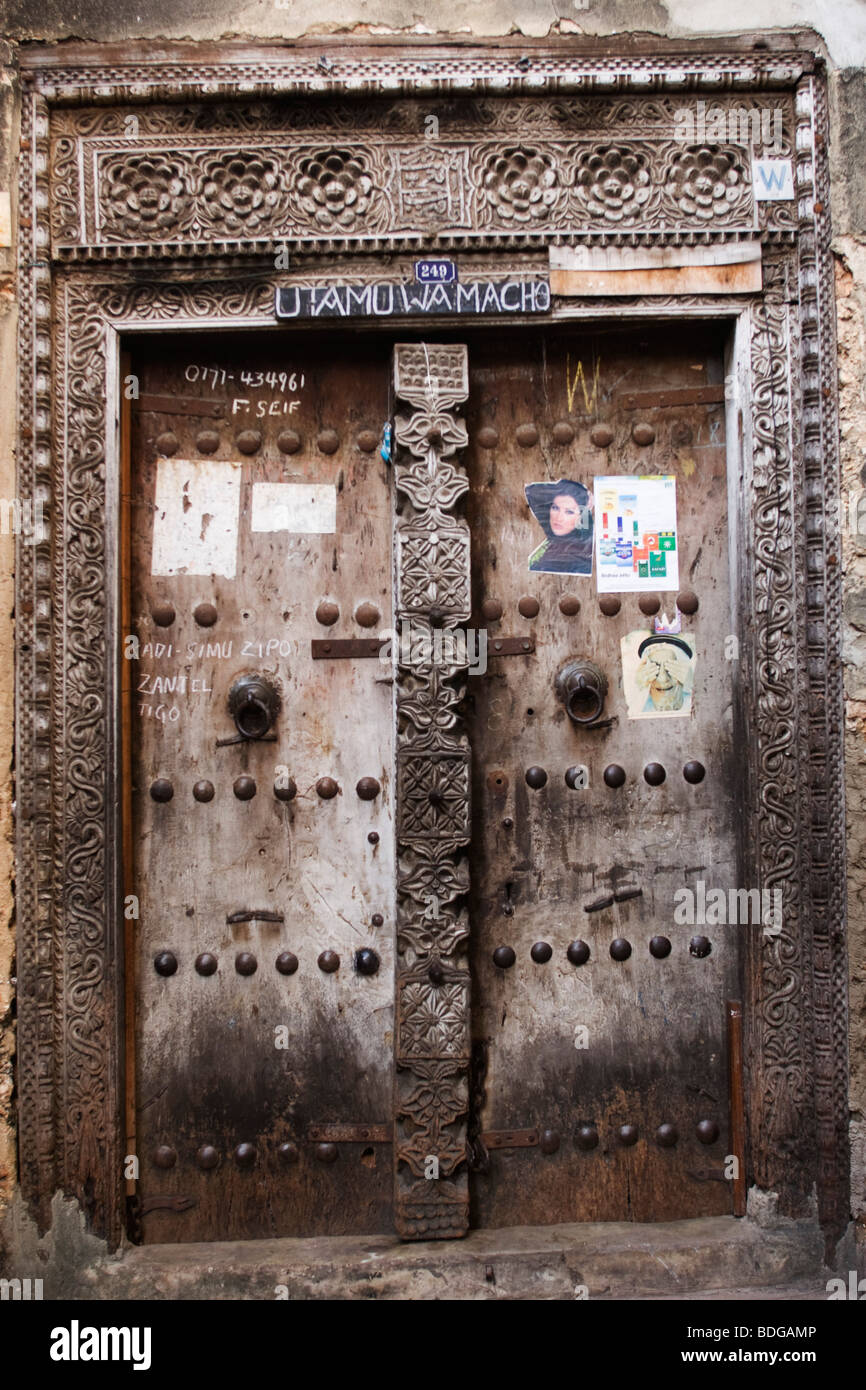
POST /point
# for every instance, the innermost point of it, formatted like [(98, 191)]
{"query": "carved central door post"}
[(432, 1038)]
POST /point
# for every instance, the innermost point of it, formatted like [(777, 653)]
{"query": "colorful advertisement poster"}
[(636, 534), (658, 674)]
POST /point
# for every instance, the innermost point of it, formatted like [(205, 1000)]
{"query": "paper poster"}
[(658, 674), (195, 523), (636, 534), (563, 510), (310, 508)]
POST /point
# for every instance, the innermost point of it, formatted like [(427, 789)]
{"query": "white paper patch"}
[(773, 180), (195, 527), (299, 507)]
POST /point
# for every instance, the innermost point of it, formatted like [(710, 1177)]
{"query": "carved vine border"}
[(69, 944)]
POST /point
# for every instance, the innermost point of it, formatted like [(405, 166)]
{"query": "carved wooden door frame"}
[(98, 263)]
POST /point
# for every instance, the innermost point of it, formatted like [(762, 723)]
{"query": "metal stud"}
[(549, 1141), (569, 605), (164, 1156), (620, 949), (504, 957), (368, 789), (249, 441), (286, 790), (436, 973), (288, 441), (328, 441), (576, 778), (167, 443), (628, 1134), (660, 947), (562, 432), (244, 788), (507, 823), (666, 1136), (366, 962), (643, 434), (707, 1131), (161, 789), (245, 1155), (207, 1157), (536, 777), (614, 775), (367, 615), (327, 613), (586, 1137), (367, 441), (326, 1153), (578, 953), (487, 437), (699, 946), (203, 791), (205, 614), (373, 837), (246, 963), (655, 774), (207, 441), (601, 436), (491, 610), (528, 607), (206, 964), (649, 604), (687, 602), (163, 613), (289, 1153), (694, 772), (377, 920), (541, 952), (165, 963), (328, 962), (327, 788), (526, 436), (609, 605), (286, 962)]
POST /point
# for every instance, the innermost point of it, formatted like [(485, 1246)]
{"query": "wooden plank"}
[(743, 278)]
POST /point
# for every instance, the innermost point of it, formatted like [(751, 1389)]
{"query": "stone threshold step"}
[(621, 1260)]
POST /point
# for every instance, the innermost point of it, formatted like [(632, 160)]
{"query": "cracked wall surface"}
[(841, 25)]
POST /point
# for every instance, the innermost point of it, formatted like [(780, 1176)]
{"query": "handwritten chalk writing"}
[(165, 714), (157, 649), (275, 646), (277, 381), (241, 405), (386, 300), (571, 383), (174, 685), (210, 651)]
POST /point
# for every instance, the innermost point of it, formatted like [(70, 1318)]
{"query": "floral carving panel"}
[(277, 186)]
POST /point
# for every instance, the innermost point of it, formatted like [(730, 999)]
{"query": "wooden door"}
[(600, 1068), (262, 856)]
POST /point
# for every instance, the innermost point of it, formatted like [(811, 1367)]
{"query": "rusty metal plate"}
[(510, 646), (346, 648), (683, 395), (351, 1134), (183, 405), (510, 1138)]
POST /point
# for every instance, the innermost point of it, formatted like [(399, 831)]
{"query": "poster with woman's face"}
[(564, 512), (658, 674)]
